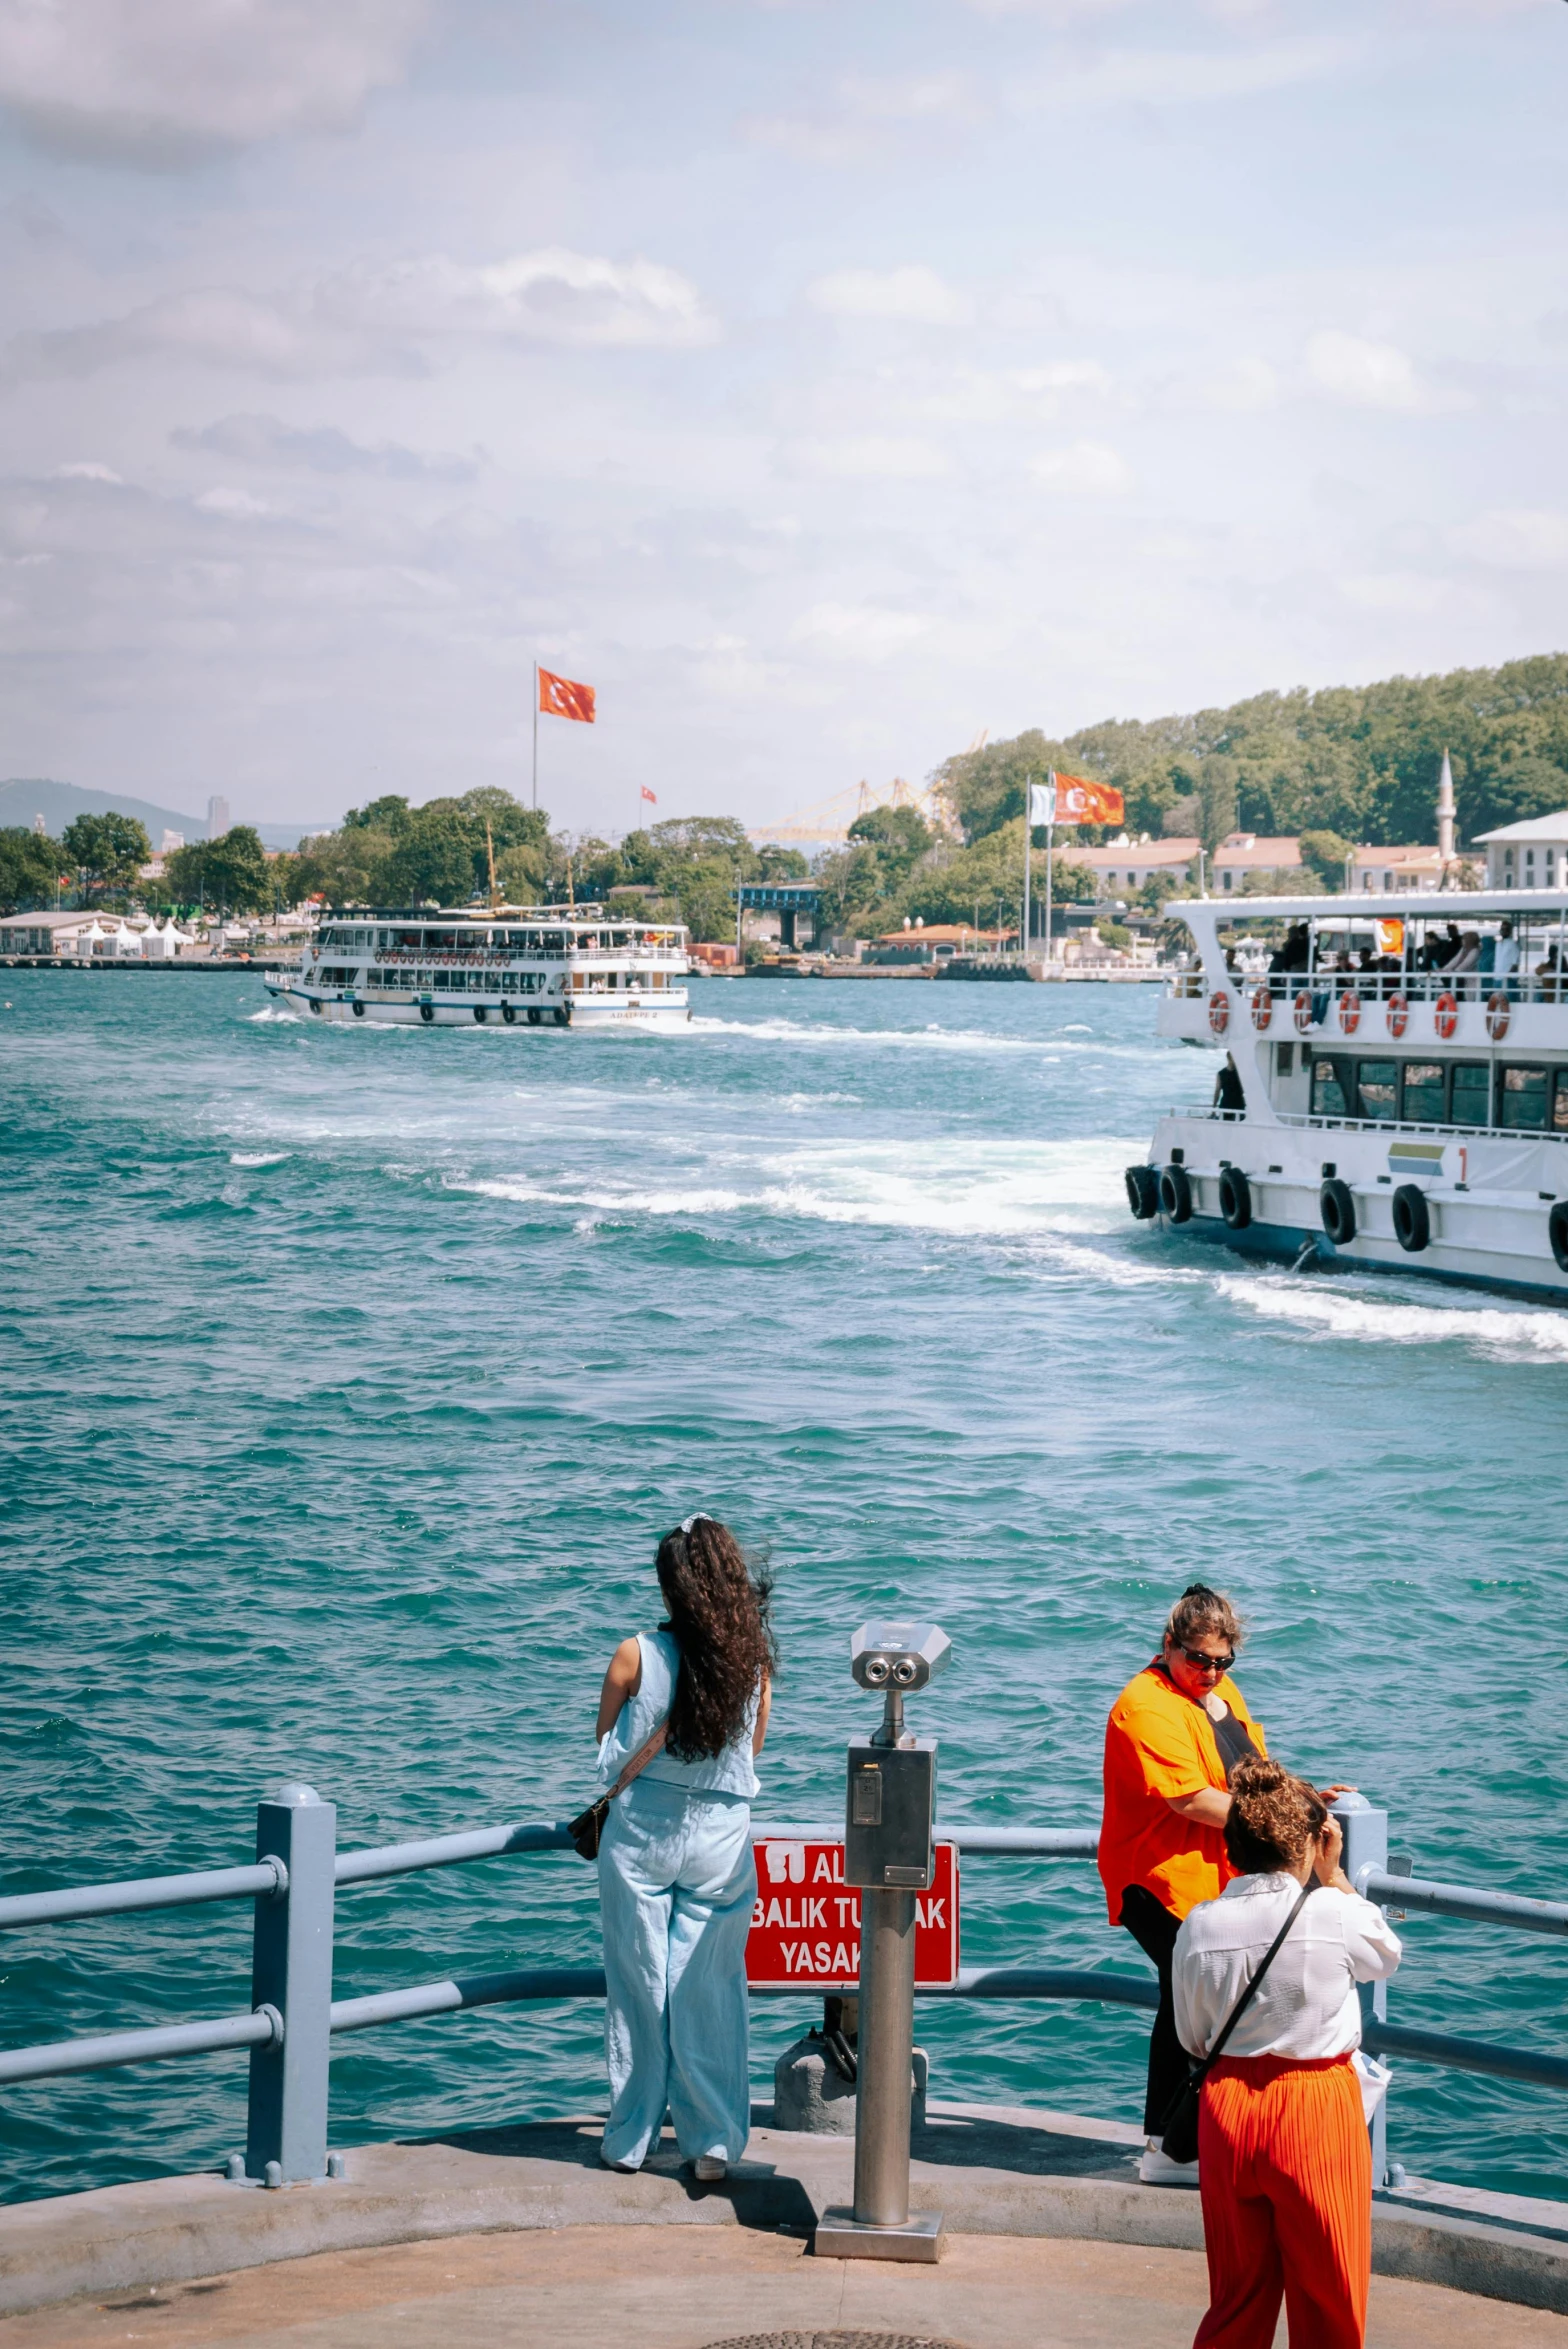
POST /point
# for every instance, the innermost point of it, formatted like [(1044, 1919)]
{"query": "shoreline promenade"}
[(500, 2233)]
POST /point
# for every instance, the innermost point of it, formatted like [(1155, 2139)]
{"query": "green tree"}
[(388, 814), (780, 864), (31, 865), (432, 859), (107, 851), (229, 875), (1324, 854)]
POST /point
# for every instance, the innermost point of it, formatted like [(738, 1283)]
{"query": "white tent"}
[(162, 944)]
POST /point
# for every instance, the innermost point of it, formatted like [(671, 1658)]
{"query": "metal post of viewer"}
[(888, 1853)]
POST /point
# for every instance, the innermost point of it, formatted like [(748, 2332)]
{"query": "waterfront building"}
[(1531, 855), (1378, 870)]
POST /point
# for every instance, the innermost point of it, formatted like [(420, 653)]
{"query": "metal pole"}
[(536, 737), (291, 1970), (1050, 891), (1028, 850), (885, 2084), (1366, 1846)]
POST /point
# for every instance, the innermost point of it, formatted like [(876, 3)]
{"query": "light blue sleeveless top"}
[(729, 1773)]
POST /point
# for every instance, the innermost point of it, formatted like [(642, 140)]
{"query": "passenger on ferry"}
[(1286, 2169), (1440, 948), (1229, 1092), (1295, 952), (1546, 972), (686, 1708), (1175, 1733), (1505, 955)]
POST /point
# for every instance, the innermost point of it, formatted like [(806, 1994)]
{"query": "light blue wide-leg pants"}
[(676, 1887)]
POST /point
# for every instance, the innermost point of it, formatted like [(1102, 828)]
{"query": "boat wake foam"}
[(1509, 1333)]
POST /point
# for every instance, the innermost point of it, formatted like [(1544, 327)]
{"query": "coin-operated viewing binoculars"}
[(890, 1812)]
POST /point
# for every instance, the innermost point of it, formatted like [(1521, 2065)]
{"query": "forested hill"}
[(1359, 760)]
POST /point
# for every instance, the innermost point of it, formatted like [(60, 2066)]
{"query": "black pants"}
[(1154, 1929)]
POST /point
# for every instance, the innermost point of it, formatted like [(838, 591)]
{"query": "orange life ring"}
[(1262, 1006), (1219, 1011), (1498, 1014), (1398, 1014), (1303, 1010), (1349, 1012), (1445, 1014)]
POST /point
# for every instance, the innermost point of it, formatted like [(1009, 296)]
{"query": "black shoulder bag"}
[(588, 1826), (1180, 2135)]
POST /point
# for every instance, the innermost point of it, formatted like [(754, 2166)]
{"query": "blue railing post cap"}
[(294, 1794), (1350, 1800)]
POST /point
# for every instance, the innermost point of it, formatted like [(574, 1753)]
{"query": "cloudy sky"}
[(823, 383)]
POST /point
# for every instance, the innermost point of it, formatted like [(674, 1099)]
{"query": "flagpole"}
[(536, 737), (1028, 845), (1050, 877)]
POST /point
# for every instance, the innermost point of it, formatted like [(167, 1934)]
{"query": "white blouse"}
[(1307, 2006)]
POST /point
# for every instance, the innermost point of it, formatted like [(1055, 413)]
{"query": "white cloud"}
[(1085, 469), (374, 321), (858, 632), (872, 456), (1517, 539), (861, 113), (1189, 77), (1244, 387), (321, 448), (1394, 591), (552, 295), (236, 505), (914, 294), (88, 471), (161, 81), (1365, 374)]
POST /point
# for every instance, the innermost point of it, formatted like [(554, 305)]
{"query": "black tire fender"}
[(1412, 1218), (479, 1015), (563, 1015), (1143, 1191), (1557, 1233), (1176, 1193), (427, 1012), (1338, 1210), (509, 1013), (1235, 1198)]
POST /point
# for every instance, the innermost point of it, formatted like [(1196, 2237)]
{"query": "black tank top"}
[(1232, 1739)]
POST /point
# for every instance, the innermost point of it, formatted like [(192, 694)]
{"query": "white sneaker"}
[(1157, 2169), (707, 2169)]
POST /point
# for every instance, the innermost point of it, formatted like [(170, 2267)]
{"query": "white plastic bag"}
[(1374, 2078)]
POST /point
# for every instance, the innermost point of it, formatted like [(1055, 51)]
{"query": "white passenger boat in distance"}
[(513, 966), (1401, 1109)]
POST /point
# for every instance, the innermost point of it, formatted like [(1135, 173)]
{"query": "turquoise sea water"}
[(351, 1375)]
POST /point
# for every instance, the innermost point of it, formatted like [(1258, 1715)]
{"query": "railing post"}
[(291, 1969), (1366, 1846)]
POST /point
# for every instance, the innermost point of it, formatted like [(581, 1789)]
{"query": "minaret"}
[(1445, 814)]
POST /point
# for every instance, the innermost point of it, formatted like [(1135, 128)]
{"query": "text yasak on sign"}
[(805, 1926)]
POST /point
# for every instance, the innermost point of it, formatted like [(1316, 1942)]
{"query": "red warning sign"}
[(805, 1927)]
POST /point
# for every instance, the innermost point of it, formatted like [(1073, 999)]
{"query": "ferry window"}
[(1424, 1091), (1328, 1093), (1472, 1094), (1379, 1088), (1284, 1059), (1560, 1103), (1523, 1100)]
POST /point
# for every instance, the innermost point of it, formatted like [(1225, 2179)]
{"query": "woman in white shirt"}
[(1284, 2162)]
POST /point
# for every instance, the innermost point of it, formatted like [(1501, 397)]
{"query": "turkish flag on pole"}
[(651, 797), (560, 697), (1078, 802)]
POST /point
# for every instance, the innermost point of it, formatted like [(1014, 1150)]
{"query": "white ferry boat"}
[(533, 966), (1402, 1103)]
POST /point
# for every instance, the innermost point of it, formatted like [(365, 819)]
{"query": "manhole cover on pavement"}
[(833, 2340)]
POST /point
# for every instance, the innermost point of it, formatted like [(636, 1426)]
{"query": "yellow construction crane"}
[(825, 823)]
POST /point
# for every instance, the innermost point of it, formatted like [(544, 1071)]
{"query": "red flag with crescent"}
[(1079, 802), (562, 697)]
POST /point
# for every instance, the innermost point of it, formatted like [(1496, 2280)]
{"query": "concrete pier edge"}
[(993, 2170)]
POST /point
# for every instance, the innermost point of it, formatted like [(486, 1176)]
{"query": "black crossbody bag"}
[(1180, 2136), (587, 1829)]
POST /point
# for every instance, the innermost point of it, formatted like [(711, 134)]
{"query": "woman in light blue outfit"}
[(676, 1875)]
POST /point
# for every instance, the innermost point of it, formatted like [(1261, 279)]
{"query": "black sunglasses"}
[(1205, 1663)]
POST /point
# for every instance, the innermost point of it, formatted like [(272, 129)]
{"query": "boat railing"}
[(292, 2016), (1298, 1120), (1323, 988)]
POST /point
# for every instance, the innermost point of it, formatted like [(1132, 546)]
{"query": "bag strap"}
[(1256, 1984), (642, 1757)]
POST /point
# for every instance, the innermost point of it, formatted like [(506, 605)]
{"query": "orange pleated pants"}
[(1286, 2178)]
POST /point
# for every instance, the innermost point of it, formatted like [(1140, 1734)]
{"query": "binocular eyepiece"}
[(901, 1656)]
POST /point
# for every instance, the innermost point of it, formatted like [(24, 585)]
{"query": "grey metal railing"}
[(293, 2016)]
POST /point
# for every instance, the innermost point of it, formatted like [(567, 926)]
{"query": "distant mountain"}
[(58, 803)]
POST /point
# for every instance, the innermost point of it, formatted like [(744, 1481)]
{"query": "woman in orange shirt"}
[(1175, 1734)]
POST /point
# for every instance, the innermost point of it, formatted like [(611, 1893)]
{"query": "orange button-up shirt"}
[(1159, 1744)]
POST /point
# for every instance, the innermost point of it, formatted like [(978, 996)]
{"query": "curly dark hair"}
[(1274, 1820), (718, 1610)]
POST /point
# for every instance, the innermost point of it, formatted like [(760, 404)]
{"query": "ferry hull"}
[(1483, 1235), (539, 1018)]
